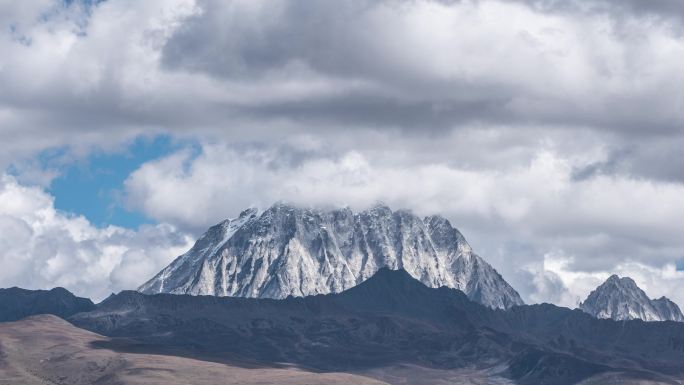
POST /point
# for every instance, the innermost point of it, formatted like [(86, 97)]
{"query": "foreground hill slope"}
[(45, 349), (392, 319), (292, 251)]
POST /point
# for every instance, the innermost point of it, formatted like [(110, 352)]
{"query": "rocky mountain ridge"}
[(292, 251), (392, 319), (17, 303)]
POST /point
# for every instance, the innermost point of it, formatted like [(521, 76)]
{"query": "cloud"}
[(546, 286), (435, 65), (67, 69), (656, 281), (43, 247), (542, 128), (252, 70), (604, 222), (661, 10)]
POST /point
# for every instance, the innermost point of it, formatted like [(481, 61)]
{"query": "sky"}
[(550, 132)]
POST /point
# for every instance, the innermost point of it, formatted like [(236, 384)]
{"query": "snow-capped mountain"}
[(621, 299), (288, 250)]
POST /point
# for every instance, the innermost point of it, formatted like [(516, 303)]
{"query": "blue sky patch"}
[(94, 187)]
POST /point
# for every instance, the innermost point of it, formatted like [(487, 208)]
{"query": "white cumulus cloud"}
[(43, 247)]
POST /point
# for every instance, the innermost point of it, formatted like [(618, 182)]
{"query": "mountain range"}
[(393, 319), (305, 296), (292, 251), (390, 328)]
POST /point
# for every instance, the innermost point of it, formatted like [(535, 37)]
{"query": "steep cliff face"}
[(295, 251), (621, 299)]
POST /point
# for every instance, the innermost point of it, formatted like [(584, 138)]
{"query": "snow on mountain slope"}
[(295, 251), (621, 299), (174, 278)]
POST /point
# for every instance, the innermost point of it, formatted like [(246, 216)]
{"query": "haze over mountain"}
[(621, 299), (293, 251)]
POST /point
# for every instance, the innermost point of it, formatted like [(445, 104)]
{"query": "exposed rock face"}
[(16, 303), (621, 299), (291, 251)]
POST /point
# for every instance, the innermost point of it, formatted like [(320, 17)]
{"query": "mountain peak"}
[(391, 278), (397, 291), (292, 251), (613, 278), (623, 280), (396, 282), (624, 283), (621, 299)]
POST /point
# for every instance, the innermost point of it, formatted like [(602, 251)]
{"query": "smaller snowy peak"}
[(621, 299), (668, 309)]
